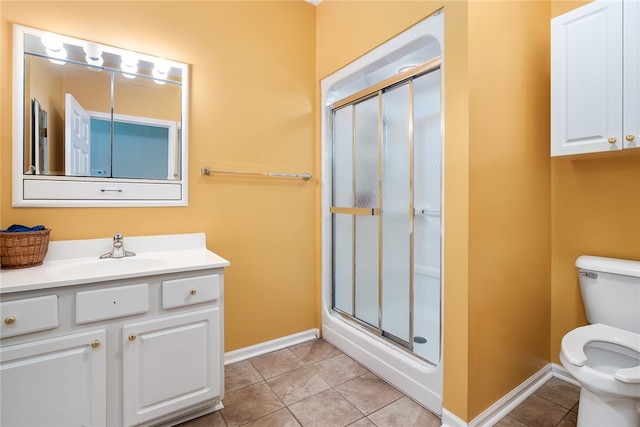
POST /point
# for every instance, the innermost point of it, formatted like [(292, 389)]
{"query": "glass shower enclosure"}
[(386, 209)]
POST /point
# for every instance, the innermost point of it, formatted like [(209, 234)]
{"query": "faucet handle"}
[(117, 236)]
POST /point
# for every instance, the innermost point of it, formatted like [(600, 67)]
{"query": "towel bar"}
[(205, 170)]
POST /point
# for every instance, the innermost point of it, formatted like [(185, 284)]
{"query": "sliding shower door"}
[(386, 210)]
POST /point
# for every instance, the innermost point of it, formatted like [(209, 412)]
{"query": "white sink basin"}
[(111, 266), (77, 262)]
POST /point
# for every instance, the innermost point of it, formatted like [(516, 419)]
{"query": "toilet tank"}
[(611, 291)]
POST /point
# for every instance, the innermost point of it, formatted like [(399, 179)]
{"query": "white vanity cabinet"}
[(130, 352), (59, 381), (135, 341), (63, 377), (595, 78), (174, 361), (170, 363)]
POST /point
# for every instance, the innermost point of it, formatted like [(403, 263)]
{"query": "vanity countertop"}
[(67, 264)]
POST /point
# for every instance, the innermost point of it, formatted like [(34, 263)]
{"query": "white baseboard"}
[(561, 373), (269, 346), (449, 419), (502, 407)]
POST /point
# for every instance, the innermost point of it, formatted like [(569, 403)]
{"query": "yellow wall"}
[(509, 197), (252, 108), (595, 211)]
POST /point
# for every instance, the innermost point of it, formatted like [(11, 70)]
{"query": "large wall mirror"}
[(96, 125)]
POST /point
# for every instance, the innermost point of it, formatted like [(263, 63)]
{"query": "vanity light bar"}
[(206, 170), (60, 49)]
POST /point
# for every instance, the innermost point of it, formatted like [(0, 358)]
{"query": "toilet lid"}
[(573, 346)]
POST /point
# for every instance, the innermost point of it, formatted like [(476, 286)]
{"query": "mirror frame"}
[(74, 191)]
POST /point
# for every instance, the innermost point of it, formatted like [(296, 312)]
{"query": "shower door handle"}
[(356, 211), (426, 212)]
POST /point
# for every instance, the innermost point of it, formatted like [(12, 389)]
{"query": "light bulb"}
[(93, 54), (51, 41), (129, 64), (57, 56), (55, 49)]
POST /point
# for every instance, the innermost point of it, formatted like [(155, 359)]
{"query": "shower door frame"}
[(377, 91)]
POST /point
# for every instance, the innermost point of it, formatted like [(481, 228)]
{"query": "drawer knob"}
[(132, 337), (612, 140), (193, 291), (630, 137), (95, 343), (10, 320)]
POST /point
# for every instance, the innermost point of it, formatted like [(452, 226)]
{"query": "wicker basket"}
[(23, 249)]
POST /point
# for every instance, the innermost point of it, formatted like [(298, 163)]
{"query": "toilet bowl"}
[(604, 357), (606, 362)]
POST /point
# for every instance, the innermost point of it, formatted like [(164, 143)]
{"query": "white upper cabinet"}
[(631, 74), (595, 78)]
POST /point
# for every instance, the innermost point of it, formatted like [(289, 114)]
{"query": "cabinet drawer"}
[(52, 189), (109, 303), (28, 315), (190, 290)]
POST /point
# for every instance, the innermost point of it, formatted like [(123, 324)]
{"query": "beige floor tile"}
[(509, 422), (240, 374), (326, 409), (570, 420), (341, 368), (560, 392), (403, 413), (249, 403), (297, 385), (281, 418), (368, 393), (276, 363), (363, 422), (213, 419), (537, 411), (314, 351), (303, 377)]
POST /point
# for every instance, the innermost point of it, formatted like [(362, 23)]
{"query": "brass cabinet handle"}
[(10, 320), (630, 137), (132, 337), (95, 343), (193, 291), (612, 140)]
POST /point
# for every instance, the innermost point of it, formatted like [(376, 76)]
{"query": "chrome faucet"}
[(118, 248)]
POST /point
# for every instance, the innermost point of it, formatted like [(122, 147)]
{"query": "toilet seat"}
[(573, 344)]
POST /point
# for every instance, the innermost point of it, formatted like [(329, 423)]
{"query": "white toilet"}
[(604, 357)]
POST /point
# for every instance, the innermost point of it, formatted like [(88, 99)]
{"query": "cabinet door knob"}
[(10, 320), (95, 343), (630, 137), (193, 291), (132, 337), (612, 140)]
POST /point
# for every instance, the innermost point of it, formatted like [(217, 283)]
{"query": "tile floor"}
[(315, 384)]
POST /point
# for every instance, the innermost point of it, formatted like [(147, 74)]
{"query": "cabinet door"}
[(170, 363), (55, 382), (631, 108), (586, 79)]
